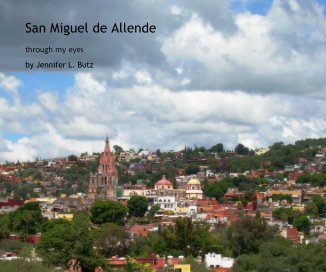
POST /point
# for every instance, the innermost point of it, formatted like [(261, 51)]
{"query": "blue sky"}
[(254, 6), (45, 81)]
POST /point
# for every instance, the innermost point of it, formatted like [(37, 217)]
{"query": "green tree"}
[(64, 240), (4, 226), (283, 256), (24, 266), (281, 197), (27, 219), (320, 204), (108, 211), (185, 238), (311, 209), (111, 239), (137, 206), (37, 175), (80, 233), (284, 214), (248, 233), (192, 169), (134, 266), (26, 251), (237, 164), (202, 241), (183, 231), (157, 243), (217, 189), (272, 251), (72, 157), (218, 148), (302, 223), (241, 149), (117, 149), (154, 209), (316, 180), (56, 245), (11, 245)]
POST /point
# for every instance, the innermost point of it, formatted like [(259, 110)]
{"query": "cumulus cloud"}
[(280, 52), (48, 101), (9, 83), (150, 116)]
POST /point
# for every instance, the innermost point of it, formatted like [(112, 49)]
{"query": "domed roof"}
[(164, 181), (193, 182)]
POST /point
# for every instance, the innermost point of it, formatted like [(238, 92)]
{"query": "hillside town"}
[(164, 210)]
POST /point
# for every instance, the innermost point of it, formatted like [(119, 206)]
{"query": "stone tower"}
[(103, 183)]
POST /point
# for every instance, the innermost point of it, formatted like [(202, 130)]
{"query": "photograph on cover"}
[(162, 128)]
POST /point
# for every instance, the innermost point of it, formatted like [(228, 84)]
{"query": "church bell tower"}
[(103, 183)]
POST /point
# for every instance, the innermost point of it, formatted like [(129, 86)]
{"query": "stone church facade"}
[(103, 183)]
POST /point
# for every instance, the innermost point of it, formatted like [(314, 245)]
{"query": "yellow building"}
[(193, 189), (132, 192), (66, 216), (181, 210), (182, 268), (296, 194), (48, 200)]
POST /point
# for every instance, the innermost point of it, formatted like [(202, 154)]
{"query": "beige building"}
[(193, 189), (167, 197)]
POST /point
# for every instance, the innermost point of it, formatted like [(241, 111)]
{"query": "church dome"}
[(193, 182), (163, 182)]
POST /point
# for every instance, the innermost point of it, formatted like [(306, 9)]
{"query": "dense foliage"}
[(284, 214), (185, 238), (317, 207), (247, 234), (108, 211), (277, 197), (244, 184), (316, 180), (137, 206), (280, 255), (27, 219), (64, 240), (77, 174), (4, 226), (24, 266), (111, 240)]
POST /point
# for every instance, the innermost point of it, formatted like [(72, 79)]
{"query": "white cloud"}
[(175, 10), (9, 83), (48, 100), (120, 75), (79, 126), (87, 83), (282, 52), (150, 116), (143, 77), (21, 150)]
